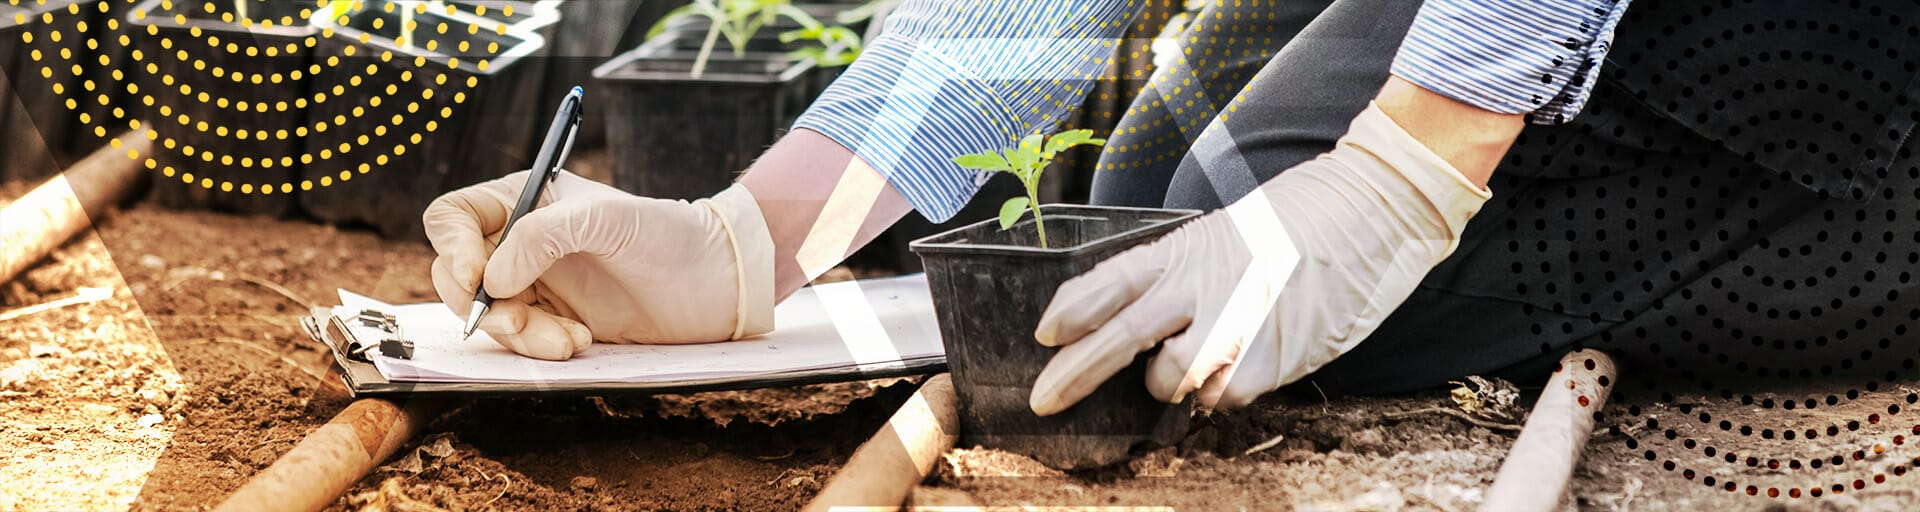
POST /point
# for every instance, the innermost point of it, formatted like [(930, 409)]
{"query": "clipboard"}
[(362, 378)]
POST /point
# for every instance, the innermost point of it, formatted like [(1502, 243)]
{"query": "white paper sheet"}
[(848, 324)]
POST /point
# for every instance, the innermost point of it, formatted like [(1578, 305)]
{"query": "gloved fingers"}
[(532, 332), (1185, 364), (1168, 367), (1243, 381), (455, 285), (1245, 367), (458, 222), (1076, 370), (538, 239), (1205, 352), (1085, 303)]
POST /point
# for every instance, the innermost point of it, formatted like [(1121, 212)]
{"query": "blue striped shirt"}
[(949, 77), (1511, 57)]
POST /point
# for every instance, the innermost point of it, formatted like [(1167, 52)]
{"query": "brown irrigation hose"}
[(314, 473), (53, 212), (1538, 468), (886, 467)]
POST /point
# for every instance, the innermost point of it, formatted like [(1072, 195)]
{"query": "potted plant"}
[(992, 280), (252, 132), (427, 98), (724, 105)]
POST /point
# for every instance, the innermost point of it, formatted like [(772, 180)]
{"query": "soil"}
[(194, 375)]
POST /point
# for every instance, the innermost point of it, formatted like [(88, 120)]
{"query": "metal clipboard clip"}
[(325, 327)]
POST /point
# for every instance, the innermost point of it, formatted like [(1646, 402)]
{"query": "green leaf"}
[(1033, 143), (1012, 210), (658, 27), (811, 34), (988, 161), (1067, 139), (1021, 161)]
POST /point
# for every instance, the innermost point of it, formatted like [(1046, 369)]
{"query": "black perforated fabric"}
[(1715, 214), (1707, 216), (1819, 90)]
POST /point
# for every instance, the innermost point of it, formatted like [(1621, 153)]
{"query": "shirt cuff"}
[(942, 82), (1511, 57)]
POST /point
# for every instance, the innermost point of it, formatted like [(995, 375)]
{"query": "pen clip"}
[(566, 146)]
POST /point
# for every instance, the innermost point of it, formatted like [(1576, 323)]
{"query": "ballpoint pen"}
[(546, 166)]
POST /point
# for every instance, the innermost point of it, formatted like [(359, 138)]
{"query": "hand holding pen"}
[(593, 263)]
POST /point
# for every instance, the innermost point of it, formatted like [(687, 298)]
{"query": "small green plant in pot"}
[(1027, 161), (736, 20), (731, 104), (990, 283)]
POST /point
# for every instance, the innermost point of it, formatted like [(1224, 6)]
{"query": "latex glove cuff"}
[(752, 247)]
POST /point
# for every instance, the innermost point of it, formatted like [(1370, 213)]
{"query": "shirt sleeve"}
[(950, 78), (1511, 56)]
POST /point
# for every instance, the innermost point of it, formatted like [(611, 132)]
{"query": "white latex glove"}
[(595, 263), (1269, 289)]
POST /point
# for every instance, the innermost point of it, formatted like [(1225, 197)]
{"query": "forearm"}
[(821, 203), (1470, 138)]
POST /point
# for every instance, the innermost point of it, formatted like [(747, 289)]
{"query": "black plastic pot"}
[(259, 145), (715, 125), (677, 137), (527, 16), (989, 288), (587, 35), (34, 120), (472, 125)]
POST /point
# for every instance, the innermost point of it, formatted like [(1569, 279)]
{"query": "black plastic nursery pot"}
[(413, 117), (234, 148), (587, 35), (989, 289), (34, 119), (526, 16), (677, 137)]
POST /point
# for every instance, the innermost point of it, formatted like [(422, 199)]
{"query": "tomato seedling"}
[(1027, 161), (737, 20)]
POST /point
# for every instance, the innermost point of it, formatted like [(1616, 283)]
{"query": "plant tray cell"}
[(455, 108), (530, 16), (254, 139)]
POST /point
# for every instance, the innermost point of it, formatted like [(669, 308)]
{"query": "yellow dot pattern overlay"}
[(1214, 54), (77, 78)]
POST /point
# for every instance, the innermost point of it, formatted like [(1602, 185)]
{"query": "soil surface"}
[(193, 374)]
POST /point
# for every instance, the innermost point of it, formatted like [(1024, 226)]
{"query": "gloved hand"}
[(595, 263), (1269, 289)]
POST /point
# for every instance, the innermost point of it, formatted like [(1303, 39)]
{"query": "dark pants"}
[(1620, 230)]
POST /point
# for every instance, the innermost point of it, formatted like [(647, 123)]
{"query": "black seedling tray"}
[(276, 41), (485, 122), (34, 121)]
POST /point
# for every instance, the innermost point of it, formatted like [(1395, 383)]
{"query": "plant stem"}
[(706, 49), (1039, 224)]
